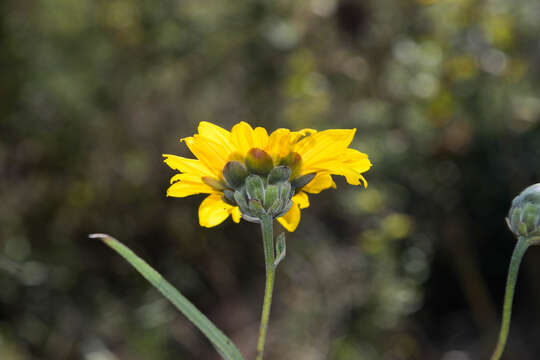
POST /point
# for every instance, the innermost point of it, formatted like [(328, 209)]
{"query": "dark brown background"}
[(445, 99)]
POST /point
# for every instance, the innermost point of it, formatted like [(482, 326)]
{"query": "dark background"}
[(444, 95)]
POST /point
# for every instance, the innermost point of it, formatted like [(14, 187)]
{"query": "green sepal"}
[(252, 219), (228, 197), (285, 207), (240, 199), (302, 181), (275, 208), (515, 219), (278, 174), (508, 223), (214, 183), (256, 208), (522, 229), (530, 217), (255, 188), (285, 192), (271, 195)]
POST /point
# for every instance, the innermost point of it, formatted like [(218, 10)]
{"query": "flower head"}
[(247, 172), (524, 214)]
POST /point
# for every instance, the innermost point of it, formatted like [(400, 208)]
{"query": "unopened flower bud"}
[(524, 215), (294, 161), (235, 173), (259, 162)]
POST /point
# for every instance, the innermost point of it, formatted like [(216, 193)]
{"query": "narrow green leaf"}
[(222, 343), (281, 249)]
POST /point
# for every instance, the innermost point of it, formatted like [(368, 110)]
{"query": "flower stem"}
[(268, 240), (521, 246)]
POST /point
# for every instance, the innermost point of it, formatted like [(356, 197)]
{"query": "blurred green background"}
[(445, 97)]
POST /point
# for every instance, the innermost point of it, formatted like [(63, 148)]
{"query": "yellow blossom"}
[(312, 157)]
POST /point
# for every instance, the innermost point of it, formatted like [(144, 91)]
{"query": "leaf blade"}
[(281, 249), (222, 343)]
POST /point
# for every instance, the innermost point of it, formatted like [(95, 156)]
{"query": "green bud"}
[(259, 162), (524, 215), (302, 181), (294, 161), (235, 173), (279, 173), (255, 187), (215, 183)]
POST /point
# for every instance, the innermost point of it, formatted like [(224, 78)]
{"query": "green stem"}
[(268, 240), (521, 246)]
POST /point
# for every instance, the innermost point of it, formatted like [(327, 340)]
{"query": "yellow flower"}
[(312, 157)]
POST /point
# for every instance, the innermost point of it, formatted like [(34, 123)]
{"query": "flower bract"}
[(248, 172)]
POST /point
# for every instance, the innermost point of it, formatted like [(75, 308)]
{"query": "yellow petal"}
[(297, 135), (357, 160), (351, 173), (320, 182), (212, 154), (192, 178), (351, 164), (279, 144), (213, 211), (236, 214), (216, 133), (353, 177), (291, 219), (185, 165), (242, 137), (323, 146), (301, 199), (187, 184), (260, 138)]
